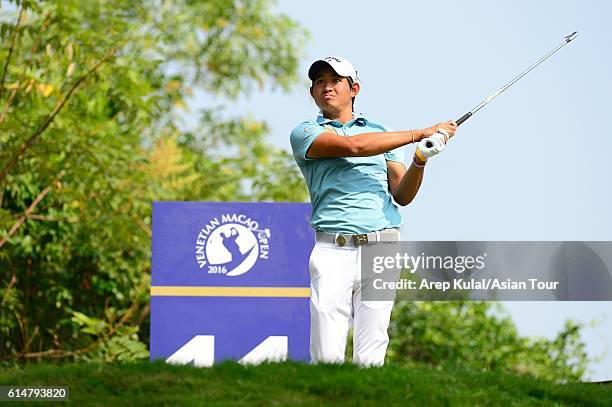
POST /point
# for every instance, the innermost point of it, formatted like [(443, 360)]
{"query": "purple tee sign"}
[(230, 281)]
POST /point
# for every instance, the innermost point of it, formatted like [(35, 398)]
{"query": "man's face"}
[(331, 92)]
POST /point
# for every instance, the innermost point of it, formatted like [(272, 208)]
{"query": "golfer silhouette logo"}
[(232, 248), (237, 257)]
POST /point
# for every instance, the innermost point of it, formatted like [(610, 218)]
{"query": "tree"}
[(471, 334), (89, 138)]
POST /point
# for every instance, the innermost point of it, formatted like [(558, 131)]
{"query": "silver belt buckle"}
[(360, 240)]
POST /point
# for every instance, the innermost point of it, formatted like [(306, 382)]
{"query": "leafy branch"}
[(28, 212), (51, 116), (103, 330), (7, 105), (12, 47)]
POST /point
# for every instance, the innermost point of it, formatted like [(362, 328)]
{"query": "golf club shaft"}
[(466, 116)]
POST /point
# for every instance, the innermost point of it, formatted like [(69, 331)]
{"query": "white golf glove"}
[(432, 145)]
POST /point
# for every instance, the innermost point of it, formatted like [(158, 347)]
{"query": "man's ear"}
[(311, 92), (355, 89)]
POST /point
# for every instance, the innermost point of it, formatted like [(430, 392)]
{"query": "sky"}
[(532, 165)]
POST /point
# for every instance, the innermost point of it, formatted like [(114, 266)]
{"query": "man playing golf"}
[(356, 178)]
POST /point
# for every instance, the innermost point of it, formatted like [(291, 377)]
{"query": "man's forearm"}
[(369, 144), (410, 183)]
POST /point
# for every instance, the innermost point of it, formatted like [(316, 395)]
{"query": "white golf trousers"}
[(335, 303)]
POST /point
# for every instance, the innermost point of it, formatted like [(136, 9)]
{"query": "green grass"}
[(290, 384)]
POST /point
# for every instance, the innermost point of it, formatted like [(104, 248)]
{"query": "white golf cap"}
[(341, 66)]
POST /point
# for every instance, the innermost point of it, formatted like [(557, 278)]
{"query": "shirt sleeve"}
[(302, 137), (397, 154)]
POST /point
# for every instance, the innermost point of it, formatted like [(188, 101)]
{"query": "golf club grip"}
[(463, 118), (459, 121)]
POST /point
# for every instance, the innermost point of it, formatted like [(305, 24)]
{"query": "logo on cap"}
[(332, 59)]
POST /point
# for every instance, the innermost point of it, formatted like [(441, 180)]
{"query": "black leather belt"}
[(344, 239)]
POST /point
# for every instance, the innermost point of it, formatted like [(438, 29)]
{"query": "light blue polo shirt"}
[(348, 194)]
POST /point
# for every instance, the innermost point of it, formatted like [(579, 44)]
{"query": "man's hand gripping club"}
[(435, 141)]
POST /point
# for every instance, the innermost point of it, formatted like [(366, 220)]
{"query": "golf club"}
[(482, 104)]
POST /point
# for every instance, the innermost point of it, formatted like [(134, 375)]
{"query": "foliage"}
[(478, 335), (89, 137), (114, 343)]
